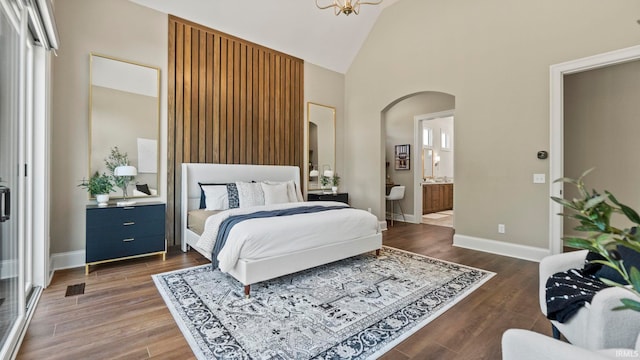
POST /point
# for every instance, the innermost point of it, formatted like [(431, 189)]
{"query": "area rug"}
[(357, 308)]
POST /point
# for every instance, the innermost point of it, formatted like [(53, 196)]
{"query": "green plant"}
[(330, 180), (98, 184), (115, 159), (593, 210), (336, 179)]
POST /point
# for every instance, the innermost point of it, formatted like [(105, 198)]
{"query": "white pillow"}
[(292, 192), (298, 191), (216, 197), (275, 193), (250, 194)]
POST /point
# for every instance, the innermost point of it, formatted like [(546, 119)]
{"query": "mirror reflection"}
[(125, 114), (322, 142)]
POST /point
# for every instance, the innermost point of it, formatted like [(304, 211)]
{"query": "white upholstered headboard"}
[(192, 174)]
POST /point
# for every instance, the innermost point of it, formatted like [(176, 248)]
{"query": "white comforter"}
[(265, 237)]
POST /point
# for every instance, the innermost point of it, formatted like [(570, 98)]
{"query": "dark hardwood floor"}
[(122, 316)]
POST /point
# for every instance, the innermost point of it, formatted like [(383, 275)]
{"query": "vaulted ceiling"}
[(295, 27)]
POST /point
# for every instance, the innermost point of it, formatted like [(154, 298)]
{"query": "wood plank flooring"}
[(122, 316)]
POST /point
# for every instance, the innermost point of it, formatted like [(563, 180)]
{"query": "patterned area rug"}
[(357, 308)]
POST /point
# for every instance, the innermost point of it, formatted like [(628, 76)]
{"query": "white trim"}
[(67, 260), (383, 225), (556, 155), (500, 247), (417, 149), (31, 310)]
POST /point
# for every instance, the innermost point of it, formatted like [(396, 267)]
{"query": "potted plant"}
[(335, 181), (115, 159), (99, 185), (593, 210)]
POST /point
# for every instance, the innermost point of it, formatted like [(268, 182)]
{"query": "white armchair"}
[(520, 344), (596, 325)]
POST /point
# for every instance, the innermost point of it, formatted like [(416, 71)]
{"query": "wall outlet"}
[(539, 179), (369, 209), (501, 228)]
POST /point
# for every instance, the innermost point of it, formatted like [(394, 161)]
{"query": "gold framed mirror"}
[(124, 112), (321, 142)]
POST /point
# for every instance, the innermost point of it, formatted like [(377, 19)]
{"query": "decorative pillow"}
[(231, 190), (232, 194), (630, 257), (250, 194), (275, 193), (299, 196), (291, 189), (143, 188), (215, 197)]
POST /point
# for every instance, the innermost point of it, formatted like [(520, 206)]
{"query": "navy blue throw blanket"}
[(568, 291), (228, 223)]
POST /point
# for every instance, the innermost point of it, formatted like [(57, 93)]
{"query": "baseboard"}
[(407, 218), (500, 248), (67, 260), (383, 225)]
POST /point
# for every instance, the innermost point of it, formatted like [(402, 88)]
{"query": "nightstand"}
[(117, 233), (341, 197)]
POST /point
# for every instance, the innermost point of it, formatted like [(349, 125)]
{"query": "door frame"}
[(556, 148), (417, 154)]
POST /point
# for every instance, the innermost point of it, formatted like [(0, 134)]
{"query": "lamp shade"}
[(328, 173), (314, 173), (125, 170)]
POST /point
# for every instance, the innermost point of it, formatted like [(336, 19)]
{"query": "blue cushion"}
[(630, 257)]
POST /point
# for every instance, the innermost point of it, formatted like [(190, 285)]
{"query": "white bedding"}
[(265, 237)]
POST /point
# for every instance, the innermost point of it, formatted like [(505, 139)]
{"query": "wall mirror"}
[(124, 112), (322, 142), (427, 163)]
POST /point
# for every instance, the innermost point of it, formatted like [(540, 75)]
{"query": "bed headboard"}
[(227, 173)]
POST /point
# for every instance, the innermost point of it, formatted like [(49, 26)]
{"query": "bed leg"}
[(247, 291), (378, 253)]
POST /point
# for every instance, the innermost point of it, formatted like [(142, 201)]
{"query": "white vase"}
[(334, 189), (102, 199)]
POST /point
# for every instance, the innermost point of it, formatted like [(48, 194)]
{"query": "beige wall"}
[(494, 57), (326, 87), (116, 28), (398, 125), (601, 124)]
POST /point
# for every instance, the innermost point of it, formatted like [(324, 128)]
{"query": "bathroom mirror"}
[(427, 163), (124, 112), (322, 142)]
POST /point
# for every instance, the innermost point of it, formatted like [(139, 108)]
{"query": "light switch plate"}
[(539, 179)]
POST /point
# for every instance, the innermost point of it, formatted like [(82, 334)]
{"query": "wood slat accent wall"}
[(230, 102)]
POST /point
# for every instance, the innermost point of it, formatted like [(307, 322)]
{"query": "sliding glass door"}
[(10, 285)]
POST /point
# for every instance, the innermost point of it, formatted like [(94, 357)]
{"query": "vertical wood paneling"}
[(230, 101)]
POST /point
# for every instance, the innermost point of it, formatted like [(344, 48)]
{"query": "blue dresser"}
[(118, 233)]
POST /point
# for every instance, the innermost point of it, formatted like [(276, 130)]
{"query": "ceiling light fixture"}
[(346, 6)]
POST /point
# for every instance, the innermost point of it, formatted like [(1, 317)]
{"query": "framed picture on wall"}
[(402, 157)]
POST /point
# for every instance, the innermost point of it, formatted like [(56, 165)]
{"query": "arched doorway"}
[(398, 128)]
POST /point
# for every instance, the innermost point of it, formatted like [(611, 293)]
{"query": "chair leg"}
[(401, 212), (555, 331), (393, 208)]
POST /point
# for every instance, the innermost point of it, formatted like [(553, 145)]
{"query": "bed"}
[(255, 269)]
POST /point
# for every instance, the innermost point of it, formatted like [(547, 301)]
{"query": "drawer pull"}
[(128, 240), (128, 223)]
